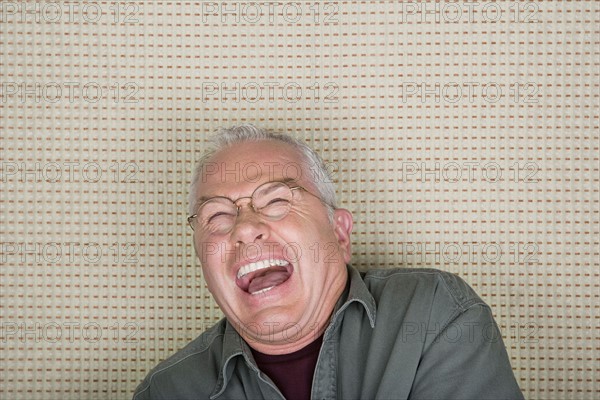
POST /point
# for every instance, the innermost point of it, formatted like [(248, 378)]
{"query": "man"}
[(300, 322)]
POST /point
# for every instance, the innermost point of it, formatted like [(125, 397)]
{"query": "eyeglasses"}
[(217, 215)]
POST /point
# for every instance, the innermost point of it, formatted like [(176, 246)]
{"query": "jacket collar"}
[(356, 291), (233, 344)]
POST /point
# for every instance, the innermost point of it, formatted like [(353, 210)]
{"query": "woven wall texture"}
[(462, 136)]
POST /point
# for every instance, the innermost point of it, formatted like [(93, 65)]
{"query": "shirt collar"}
[(233, 344)]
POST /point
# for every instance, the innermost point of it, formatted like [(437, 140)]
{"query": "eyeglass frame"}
[(190, 219)]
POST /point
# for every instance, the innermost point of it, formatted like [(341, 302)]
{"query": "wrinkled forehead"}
[(241, 167)]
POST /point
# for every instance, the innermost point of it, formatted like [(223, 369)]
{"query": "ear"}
[(342, 225)]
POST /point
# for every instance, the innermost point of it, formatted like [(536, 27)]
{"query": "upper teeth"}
[(255, 266)]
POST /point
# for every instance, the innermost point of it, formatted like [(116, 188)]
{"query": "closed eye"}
[(218, 215), (278, 201)]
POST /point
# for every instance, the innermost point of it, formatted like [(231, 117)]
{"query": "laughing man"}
[(300, 322)]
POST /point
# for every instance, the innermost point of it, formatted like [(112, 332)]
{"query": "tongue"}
[(269, 277)]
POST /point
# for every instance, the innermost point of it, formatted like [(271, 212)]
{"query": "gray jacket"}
[(395, 334)]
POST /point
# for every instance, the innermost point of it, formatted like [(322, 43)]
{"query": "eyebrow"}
[(288, 180)]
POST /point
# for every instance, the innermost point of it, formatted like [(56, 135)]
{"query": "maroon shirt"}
[(292, 373)]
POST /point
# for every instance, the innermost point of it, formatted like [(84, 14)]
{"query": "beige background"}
[(462, 137)]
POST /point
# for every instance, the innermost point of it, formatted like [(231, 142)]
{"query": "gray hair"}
[(226, 137)]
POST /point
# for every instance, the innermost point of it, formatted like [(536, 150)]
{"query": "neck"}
[(280, 343)]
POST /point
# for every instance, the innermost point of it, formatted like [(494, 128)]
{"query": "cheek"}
[(207, 251), (209, 263), (298, 236), (208, 276), (309, 219), (215, 283), (309, 241)]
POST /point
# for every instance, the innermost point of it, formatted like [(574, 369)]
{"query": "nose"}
[(249, 226)]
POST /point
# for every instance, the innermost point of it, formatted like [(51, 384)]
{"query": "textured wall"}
[(463, 136)]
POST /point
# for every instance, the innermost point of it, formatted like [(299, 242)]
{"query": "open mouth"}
[(262, 276)]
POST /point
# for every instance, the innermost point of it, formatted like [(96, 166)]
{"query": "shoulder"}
[(420, 295), (198, 360), (421, 283)]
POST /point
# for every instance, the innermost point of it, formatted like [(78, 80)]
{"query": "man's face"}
[(277, 281)]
